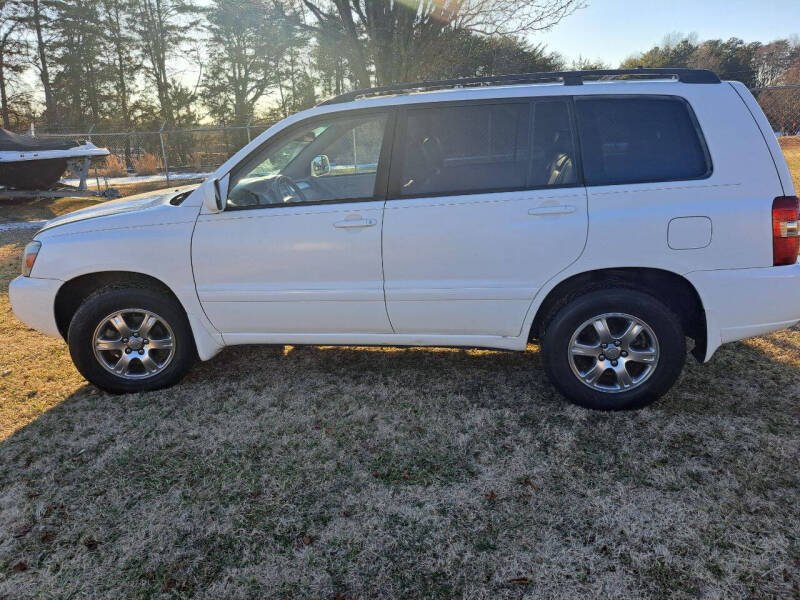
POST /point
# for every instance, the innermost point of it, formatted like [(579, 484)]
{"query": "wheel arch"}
[(73, 292), (673, 289)]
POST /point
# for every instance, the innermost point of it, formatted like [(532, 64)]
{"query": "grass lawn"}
[(316, 472), (791, 149)]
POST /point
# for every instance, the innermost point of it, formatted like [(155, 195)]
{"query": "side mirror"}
[(320, 166), (216, 200)]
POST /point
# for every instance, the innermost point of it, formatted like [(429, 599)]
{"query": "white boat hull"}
[(83, 151), (41, 169)]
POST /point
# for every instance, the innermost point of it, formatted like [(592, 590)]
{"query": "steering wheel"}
[(286, 190)]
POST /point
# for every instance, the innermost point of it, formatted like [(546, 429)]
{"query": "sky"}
[(613, 30)]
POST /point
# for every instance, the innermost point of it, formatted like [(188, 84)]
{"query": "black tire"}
[(106, 301), (559, 330)]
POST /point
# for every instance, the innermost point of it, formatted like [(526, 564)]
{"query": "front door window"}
[(330, 160)]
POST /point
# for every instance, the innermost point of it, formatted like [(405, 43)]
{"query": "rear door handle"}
[(551, 210), (353, 223)]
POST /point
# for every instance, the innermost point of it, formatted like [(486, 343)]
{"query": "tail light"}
[(785, 230)]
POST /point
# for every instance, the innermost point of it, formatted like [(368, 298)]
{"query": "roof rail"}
[(568, 77)]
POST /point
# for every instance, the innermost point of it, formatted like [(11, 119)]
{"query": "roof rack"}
[(568, 77)]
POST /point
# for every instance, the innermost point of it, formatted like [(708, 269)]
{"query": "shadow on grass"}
[(316, 471)]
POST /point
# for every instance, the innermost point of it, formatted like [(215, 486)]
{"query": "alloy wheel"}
[(133, 343), (613, 352)]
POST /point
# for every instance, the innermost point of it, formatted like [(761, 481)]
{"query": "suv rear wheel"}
[(131, 339), (614, 349)]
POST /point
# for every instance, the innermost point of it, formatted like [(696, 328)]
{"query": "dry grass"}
[(114, 166), (385, 473), (198, 162), (146, 164), (791, 149), (42, 209)]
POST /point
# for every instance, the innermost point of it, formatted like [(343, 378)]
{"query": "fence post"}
[(163, 151), (250, 120), (89, 135)]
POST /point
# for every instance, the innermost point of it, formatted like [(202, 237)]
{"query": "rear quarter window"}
[(640, 140)]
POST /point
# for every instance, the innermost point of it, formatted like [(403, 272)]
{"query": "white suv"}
[(609, 220)]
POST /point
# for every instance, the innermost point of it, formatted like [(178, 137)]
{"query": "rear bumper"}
[(33, 302), (742, 303)]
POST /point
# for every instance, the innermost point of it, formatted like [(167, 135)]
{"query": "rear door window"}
[(639, 140), (463, 149)]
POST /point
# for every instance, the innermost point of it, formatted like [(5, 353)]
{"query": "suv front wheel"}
[(614, 349), (128, 338)]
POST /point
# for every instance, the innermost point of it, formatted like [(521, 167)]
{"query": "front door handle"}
[(551, 210), (352, 223)]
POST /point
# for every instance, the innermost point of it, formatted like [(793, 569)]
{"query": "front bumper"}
[(742, 303), (33, 303)]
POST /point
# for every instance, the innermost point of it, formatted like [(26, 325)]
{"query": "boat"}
[(32, 163)]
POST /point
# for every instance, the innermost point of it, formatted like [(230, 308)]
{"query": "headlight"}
[(29, 257)]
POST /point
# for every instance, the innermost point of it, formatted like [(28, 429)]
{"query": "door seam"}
[(194, 278)]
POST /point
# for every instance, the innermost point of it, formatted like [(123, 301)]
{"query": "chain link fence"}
[(781, 104), (194, 152), (173, 155)]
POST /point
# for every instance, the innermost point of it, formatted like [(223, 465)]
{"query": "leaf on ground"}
[(91, 543)]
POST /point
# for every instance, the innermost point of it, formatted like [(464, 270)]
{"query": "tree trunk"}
[(122, 93), (3, 97), (358, 58), (49, 100)]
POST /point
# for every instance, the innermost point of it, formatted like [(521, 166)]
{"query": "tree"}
[(773, 60), (80, 76), (123, 65), (586, 64), (782, 105), (389, 38), (160, 28), (332, 68), (792, 74), (675, 50), (730, 59), (295, 83), (247, 40), (466, 54), (38, 18), (12, 55)]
